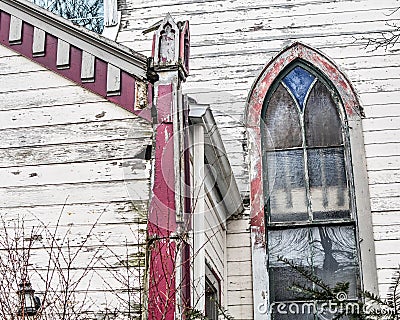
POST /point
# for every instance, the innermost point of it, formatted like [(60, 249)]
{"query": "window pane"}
[(335, 256), (329, 252), (323, 125), (286, 186), (328, 183), (282, 122), (292, 244), (298, 82), (211, 300)]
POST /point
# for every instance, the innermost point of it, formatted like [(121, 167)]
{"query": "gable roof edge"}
[(101, 47)]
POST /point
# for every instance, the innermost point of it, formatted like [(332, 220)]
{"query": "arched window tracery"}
[(308, 189)]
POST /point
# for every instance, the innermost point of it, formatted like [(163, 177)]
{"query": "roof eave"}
[(101, 47)]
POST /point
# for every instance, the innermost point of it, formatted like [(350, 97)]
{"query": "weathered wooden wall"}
[(215, 252), (63, 145), (231, 41), (239, 275)]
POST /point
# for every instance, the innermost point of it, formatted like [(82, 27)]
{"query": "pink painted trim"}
[(162, 287), (49, 60), (162, 214), (4, 27), (126, 99), (27, 41), (74, 71), (164, 103), (162, 206), (100, 79)]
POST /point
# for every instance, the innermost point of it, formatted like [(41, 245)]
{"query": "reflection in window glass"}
[(86, 13), (212, 294), (282, 134), (297, 134), (329, 252), (286, 185), (328, 183), (322, 122)]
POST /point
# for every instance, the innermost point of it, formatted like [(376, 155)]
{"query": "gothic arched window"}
[(310, 214), (309, 200)]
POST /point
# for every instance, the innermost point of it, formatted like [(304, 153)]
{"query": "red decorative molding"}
[(125, 97)]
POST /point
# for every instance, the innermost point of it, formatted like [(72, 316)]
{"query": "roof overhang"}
[(101, 47), (216, 157)]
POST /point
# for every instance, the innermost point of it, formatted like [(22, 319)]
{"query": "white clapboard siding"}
[(384, 136), (382, 150), (385, 203), (74, 193), (73, 133), (102, 280), (73, 235), (29, 99), (17, 64), (83, 112), (254, 13), (384, 190), (383, 218), (391, 232), (82, 172), (110, 253), (387, 247), (87, 214), (251, 62), (29, 81), (72, 152), (388, 261), (75, 178), (5, 52), (239, 276), (215, 244), (382, 110)]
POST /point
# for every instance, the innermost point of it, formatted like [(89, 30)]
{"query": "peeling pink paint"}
[(164, 103), (27, 40), (4, 28), (162, 215), (162, 257), (49, 60), (169, 39)]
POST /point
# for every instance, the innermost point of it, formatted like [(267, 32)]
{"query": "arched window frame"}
[(351, 114)]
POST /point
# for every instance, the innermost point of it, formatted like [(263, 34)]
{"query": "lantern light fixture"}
[(29, 303)]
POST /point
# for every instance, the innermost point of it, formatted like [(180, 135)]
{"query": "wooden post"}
[(167, 209), (199, 266)]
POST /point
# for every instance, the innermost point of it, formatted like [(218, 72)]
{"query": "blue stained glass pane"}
[(299, 81)]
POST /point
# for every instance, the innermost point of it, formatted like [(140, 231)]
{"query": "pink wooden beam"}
[(170, 256)]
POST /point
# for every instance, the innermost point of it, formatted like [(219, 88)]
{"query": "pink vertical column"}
[(167, 205)]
